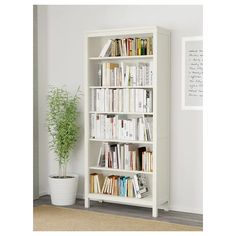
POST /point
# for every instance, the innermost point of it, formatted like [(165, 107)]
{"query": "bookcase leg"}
[(87, 203), (154, 212)]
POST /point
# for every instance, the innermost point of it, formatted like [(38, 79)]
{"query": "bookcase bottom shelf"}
[(143, 202)]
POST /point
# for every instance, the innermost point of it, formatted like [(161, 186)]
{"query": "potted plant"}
[(63, 128)]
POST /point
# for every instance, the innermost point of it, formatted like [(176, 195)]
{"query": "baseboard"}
[(43, 194), (79, 195), (187, 210)]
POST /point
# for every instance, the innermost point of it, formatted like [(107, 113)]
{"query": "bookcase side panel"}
[(163, 114)]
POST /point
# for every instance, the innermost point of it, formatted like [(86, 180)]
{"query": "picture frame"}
[(192, 73)]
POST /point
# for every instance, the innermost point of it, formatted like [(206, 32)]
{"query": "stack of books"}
[(127, 47), (114, 74), (96, 183), (116, 127), (121, 100), (125, 157), (124, 186)]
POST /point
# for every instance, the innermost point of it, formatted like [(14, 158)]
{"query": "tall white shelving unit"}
[(158, 179)]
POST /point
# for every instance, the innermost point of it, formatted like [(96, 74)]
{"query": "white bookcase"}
[(158, 179)]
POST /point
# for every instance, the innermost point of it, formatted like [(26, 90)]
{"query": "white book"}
[(115, 162), (102, 127), (127, 157), (139, 100), (141, 135), (110, 127), (99, 156), (135, 191), (131, 100), (105, 50), (120, 91), (127, 75), (122, 74), (110, 99), (107, 127), (104, 184), (144, 100), (97, 99), (131, 132), (136, 186), (116, 127), (126, 100), (107, 100), (102, 105), (106, 150), (112, 78), (126, 129), (132, 75), (107, 185), (97, 127), (108, 75), (93, 121), (119, 129), (150, 73)]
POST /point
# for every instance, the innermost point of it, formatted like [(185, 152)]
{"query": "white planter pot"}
[(63, 191)]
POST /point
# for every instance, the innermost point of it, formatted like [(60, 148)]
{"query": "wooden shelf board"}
[(121, 87), (120, 170), (144, 202), (122, 113), (121, 58), (120, 141)]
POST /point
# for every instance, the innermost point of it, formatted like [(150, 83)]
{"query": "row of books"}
[(121, 127), (127, 47), (121, 100), (120, 74), (124, 186), (125, 157)]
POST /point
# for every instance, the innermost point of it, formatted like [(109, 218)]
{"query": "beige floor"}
[(50, 218)]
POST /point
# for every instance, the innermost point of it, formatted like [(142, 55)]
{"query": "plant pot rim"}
[(72, 176)]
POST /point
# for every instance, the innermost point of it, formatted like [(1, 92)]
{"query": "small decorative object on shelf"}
[(127, 96)]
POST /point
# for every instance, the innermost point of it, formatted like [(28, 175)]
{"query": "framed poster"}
[(192, 73)]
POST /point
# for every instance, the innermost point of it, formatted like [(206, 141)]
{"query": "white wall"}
[(61, 31)]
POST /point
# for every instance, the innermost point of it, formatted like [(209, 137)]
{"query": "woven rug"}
[(51, 218)]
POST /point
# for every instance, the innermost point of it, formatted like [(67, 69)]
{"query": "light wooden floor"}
[(139, 212)]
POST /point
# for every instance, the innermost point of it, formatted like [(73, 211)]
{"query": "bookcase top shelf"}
[(121, 58), (127, 32), (120, 170), (120, 141)]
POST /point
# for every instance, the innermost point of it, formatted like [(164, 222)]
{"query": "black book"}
[(140, 151)]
